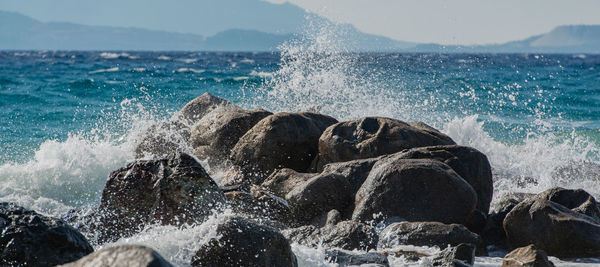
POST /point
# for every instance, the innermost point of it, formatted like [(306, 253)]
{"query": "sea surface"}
[(69, 118)]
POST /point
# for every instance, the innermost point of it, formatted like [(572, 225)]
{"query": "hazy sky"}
[(456, 21)]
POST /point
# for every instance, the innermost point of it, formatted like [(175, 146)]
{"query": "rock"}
[(162, 139), (317, 196), (354, 258), (374, 136), (260, 204), (355, 171), (553, 228), (528, 256), (244, 243), (576, 200), (281, 140), (215, 135), (27, 237), (173, 190), (347, 235), (493, 232), (196, 109), (122, 256), (462, 255), (426, 234), (282, 181), (469, 163), (414, 190)]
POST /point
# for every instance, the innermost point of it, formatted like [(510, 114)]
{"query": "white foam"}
[(190, 70), (114, 69)]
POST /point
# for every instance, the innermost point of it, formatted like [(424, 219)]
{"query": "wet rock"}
[(576, 200), (354, 258), (552, 227), (196, 109), (462, 255), (162, 139), (260, 204), (317, 196), (469, 163), (414, 190), (215, 135), (283, 181), (27, 237), (244, 243), (426, 234), (528, 256), (374, 136), (281, 140), (345, 235), (493, 232), (122, 256), (173, 190)]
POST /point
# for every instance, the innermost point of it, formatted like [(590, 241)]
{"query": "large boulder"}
[(493, 232), (348, 235), (122, 256), (414, 190), (281, 140), (469, 163), (374, 136), (283, 181), (426, 234), (260, 204), (244, 243), (355, 171), (28, 238), (553, 227), (172, 190), (528, 256), (215, 135), (196, 109), (577, 200)]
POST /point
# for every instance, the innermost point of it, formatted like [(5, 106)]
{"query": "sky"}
[(456, 21)]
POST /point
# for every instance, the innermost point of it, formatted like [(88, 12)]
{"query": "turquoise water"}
[(69, 118)]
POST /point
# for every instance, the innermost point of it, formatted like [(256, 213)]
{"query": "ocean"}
[(69, 118)]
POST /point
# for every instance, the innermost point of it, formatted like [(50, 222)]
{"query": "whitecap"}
[(104, 70)]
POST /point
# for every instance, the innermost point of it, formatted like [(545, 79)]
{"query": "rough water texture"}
[(68, 119)]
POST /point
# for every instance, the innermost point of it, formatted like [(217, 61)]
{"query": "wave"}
[(108, 55), (114, 69), (189, 70)]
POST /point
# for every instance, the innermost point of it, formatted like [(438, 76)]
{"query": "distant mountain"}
[(562, 39), (24, 33)]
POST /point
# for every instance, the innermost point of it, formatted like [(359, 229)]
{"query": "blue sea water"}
[(68, 118)]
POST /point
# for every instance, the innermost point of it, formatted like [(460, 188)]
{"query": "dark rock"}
[(493, 232), (426, 234), (576, 200), (317, 196), (469, 163), (282, 140), (462, 255), (244, 243), (345, 235), (173, 190), (28, 238), (355, 171), (122, 256), (260, 204), (162, 139), (215, 135), (415, 190), (528, 256), (552, 227), (283, 181), (353, 258), (374, 136), (196, 109)]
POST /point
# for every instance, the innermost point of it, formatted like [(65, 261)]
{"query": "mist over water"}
[(77, 116)]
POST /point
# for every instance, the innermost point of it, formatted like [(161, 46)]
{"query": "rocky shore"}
[(365, 190)]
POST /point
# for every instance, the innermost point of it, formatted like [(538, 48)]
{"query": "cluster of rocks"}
[(363, 190)]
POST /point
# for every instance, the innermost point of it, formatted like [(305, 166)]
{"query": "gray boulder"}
[(29, 238), (173, 190), (281, 140), (347, 235), (244, 243), (426, 234), (122, 256), (528, 256), (196, 109), (374, 136), (414, 190), (215, 135), (553, 227)]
